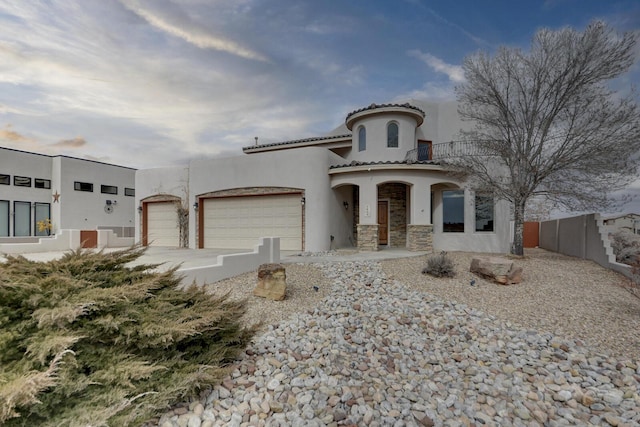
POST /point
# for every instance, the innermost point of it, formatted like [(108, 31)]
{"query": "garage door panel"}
[(162, 224), (238, 222)]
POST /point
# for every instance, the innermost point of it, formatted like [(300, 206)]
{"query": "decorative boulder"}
[(500, 270), (272, 282)]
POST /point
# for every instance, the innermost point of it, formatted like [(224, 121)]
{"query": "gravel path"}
[(391, 347)]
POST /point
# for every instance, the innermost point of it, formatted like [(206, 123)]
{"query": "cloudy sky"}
[(146, 83)]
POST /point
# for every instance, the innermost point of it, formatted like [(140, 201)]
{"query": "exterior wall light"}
[(140, 208), (195, 206), (346, 205), (302, 201)]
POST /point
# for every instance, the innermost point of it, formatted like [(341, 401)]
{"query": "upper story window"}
[(42, 183), (83, 186), (109, 189), (5, 179), (129, 192), (392, 135), (362, 138), (22, 181)]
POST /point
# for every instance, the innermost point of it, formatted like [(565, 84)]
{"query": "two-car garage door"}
[(238, 222)]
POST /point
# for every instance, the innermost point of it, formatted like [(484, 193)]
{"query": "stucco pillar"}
[(420, 229), (368, 217), (420, 203)]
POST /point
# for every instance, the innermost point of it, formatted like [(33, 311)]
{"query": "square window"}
[(108, 189), (5, 179), (83, 186), (22, 181), (42, 183), (129, 192)]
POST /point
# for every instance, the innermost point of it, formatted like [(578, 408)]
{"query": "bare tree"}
[(547, 124)]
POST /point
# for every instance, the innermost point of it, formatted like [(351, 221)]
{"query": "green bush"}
[(86, 340), (440, 266)]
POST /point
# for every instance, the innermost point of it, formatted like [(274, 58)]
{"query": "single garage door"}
[(238, 222), (162, 224)]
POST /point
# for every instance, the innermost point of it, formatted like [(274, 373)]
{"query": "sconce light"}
[(140, 209), (302, 201), (195, 206), (346, 205)]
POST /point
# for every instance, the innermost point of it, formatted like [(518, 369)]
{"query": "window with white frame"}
[(392, 135), (362, 138)]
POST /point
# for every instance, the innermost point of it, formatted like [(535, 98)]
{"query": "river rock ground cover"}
[(381, 344)]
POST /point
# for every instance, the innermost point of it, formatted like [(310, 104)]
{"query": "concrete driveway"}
[(186, 258)]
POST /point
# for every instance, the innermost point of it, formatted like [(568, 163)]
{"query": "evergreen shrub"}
[(88, 341)]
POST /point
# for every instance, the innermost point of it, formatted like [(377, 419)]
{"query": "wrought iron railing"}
[(445, 150)]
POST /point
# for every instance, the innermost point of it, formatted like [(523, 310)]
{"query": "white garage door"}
[(238, 222), (162, 224)]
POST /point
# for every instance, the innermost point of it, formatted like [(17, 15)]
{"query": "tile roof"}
[(388, 162), (375, 106), (296, 141)]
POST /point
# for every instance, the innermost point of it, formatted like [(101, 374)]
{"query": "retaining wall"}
[(266, 252), (65, 240), (583, 236)]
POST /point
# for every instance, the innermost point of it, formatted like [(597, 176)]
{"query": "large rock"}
[(500, 270), (272, 282)]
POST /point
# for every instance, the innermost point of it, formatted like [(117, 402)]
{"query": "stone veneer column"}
[(420, 237), (368, 237)]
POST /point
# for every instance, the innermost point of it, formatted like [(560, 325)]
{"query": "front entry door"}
[(383, 222)]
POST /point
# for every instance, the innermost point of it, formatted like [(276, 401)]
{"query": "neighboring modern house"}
[(629, 222), (72, 193), (376, 181)]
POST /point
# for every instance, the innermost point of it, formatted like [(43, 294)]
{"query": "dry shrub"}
[(440, 266)]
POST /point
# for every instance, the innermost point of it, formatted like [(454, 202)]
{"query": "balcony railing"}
[(445, 150)]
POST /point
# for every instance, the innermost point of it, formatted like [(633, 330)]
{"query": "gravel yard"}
[(559, 294), (380, 344)]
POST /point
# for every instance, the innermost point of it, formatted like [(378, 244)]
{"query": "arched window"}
[(392, 135), (362, 138)]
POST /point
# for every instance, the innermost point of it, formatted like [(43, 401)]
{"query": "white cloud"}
[(454, 72), (191, 34)]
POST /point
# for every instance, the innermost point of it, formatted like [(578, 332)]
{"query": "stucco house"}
[(377, 181), (629, 222), (72, 193)]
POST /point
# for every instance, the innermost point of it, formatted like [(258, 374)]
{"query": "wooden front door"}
[(383, 222)]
